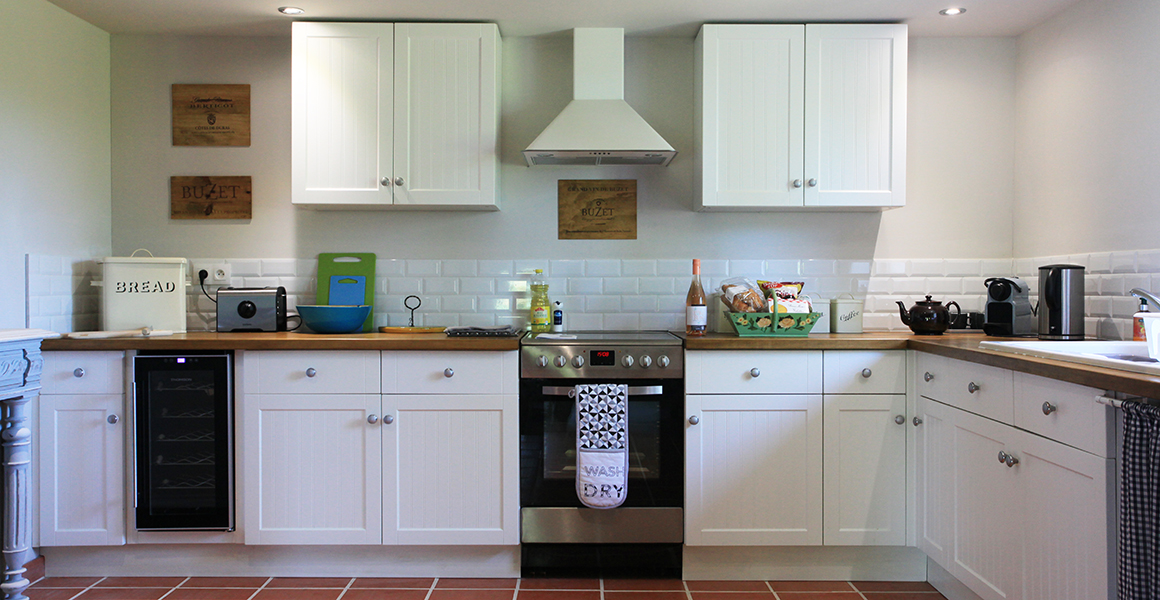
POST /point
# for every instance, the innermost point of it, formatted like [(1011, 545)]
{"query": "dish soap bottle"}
[(1138, 322), (540, 313), (558, 317)]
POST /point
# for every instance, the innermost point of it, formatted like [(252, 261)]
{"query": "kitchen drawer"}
[(83, 373), (980, 389), (1073, 417), (753, 372), (450, 372), (864, 372), (311, 372)]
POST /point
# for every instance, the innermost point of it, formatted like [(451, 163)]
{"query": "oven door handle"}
[(570, 391)]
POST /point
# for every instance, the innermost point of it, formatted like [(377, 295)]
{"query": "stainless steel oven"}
[(559, 536)]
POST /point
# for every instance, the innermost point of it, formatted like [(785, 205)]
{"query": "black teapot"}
[(928, 317)]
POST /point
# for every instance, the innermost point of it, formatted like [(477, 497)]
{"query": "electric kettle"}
[(1061, 309)]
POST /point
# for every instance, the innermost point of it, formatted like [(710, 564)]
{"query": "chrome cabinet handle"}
[(373, 418), (399, 181), (813, 182), (866, 373), (972, 387), (927, 376), (1003, 456), (1049, 408), (449, 372), (1011, 461), (386, 181), (311, 372), (797, 183), (899, 419), (693, 420), (113, 419), (388, 419), (917, 421), (78, 372), (755, 372)]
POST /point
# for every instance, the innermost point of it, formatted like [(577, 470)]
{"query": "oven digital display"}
[(603, 358)]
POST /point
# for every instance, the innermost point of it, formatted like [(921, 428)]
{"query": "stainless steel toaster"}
[(251, 309)]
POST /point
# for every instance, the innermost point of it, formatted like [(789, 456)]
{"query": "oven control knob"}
[(577, 361), (662, 361), (542, 362), (560, 362), (626, 361), (646, 361)]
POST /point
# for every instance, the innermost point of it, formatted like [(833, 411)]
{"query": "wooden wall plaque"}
[(209, 197), (596, 209), (211, 114)]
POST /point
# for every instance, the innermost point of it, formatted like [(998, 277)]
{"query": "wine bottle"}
[(696, 313)]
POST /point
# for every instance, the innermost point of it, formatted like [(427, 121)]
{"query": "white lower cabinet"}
[(1011, 514)]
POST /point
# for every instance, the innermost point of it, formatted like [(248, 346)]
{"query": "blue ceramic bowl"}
[(321, 318)]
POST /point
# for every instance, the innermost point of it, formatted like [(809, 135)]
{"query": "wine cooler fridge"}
[(183, 411)]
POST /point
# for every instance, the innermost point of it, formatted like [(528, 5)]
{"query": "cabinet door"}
[(753, 470), (446, 114), (855, 115), (450, 468), (865, 474), (934, 479), (341, 105), (988, 516), (312, 469), (81, 470), (1065, 520), (749, 116)]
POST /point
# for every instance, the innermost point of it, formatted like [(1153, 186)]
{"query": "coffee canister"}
[(845, 314)]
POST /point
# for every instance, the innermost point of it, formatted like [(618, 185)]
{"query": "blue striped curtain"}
[(1139, 570)]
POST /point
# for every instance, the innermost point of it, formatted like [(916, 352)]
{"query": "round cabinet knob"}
[(560, 362), (449, 372), (113, 419), (542, 362), (1049, 408), (1011, 460), (972, 387), (627, 361), (797, 183), (372, 419), (386, 181), (917, 421), (662, 361), (577, 361), (927, 376), (78, 372), (1002, 457), (399, 181), (812, 182), (388, 419), (311, 372), (899, 419), (646, 361), (755, 372), (867, 373), (693, 420)]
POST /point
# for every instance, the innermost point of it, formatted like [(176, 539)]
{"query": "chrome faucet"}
[(1149, 296)]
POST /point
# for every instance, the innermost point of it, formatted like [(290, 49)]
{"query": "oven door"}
[(550, 510)]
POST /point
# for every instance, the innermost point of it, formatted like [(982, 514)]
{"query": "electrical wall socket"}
[(219, 273)]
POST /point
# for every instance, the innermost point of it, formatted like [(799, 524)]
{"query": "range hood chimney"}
[(598, 127)]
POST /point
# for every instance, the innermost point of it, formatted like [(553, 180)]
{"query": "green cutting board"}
[(347, 264)]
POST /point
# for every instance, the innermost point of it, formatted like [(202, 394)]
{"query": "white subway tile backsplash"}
[(1100, 262), (621, 322), (638, 304), (602, 304), (477, 320), (782, 270), (885, 268), (514, 286), (818, 268), (662, 322), (496, 268), (621, 285), (495, 304), (709, 268), (528, 267), (239, 267), (584, 321), (440, 285), (927, 268), (753, 269), (909, 285), (460, 268), (944, 285), (297, 285), (658, 285), (602, 268), (476, 285), (1137, 280), (583, 286), (389, 267), (405, 285), (459, 304), (1148, 261), (962, 268), (1109, 285), (1028, 268), (1124, 307), (422, 268), (278, 267), (880, 285), (1123, 262), (852, 267), (682, 267), (997, 267), (1098, 306), (256, 282), (638, 268)]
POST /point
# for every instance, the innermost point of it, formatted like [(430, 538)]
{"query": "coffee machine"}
[(1008, 312), (1061, 306)]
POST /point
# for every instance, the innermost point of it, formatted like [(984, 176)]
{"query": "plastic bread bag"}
[(781, 290), (741, 295)]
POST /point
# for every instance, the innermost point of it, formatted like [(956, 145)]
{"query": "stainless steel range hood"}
[(598, 127)]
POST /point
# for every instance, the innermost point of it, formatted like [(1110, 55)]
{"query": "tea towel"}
[(602, 444)]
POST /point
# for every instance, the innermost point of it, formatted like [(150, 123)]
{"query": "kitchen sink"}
[(1112, 354)]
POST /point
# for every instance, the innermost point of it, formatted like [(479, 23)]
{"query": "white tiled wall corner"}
[(60, 294)]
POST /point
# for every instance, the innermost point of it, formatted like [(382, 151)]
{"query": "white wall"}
[(54, 143), (1088, 132), (536, 85)]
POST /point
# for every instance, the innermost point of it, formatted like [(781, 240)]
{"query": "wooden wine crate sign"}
[(211, 114), (209, 197), (596, 209)]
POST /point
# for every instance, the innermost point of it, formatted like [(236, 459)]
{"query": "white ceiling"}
[(679, 18)]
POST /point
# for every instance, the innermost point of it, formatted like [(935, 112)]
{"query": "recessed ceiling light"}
[(291, 10), (950, 12)]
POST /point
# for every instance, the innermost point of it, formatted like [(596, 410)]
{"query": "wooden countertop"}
[(209, 340), (958, 345)]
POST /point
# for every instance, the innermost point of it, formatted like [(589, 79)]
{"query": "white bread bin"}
[(143, 292)]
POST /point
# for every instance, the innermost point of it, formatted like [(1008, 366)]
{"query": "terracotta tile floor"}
[(365, 588)]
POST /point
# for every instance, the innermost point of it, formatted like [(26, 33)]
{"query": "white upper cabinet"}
[(800, 116), (399, 115)]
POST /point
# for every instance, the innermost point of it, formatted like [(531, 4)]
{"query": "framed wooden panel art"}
[(596, 209), (211, 114)]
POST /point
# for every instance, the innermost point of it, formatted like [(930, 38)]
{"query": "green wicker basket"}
[(773, 324)]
